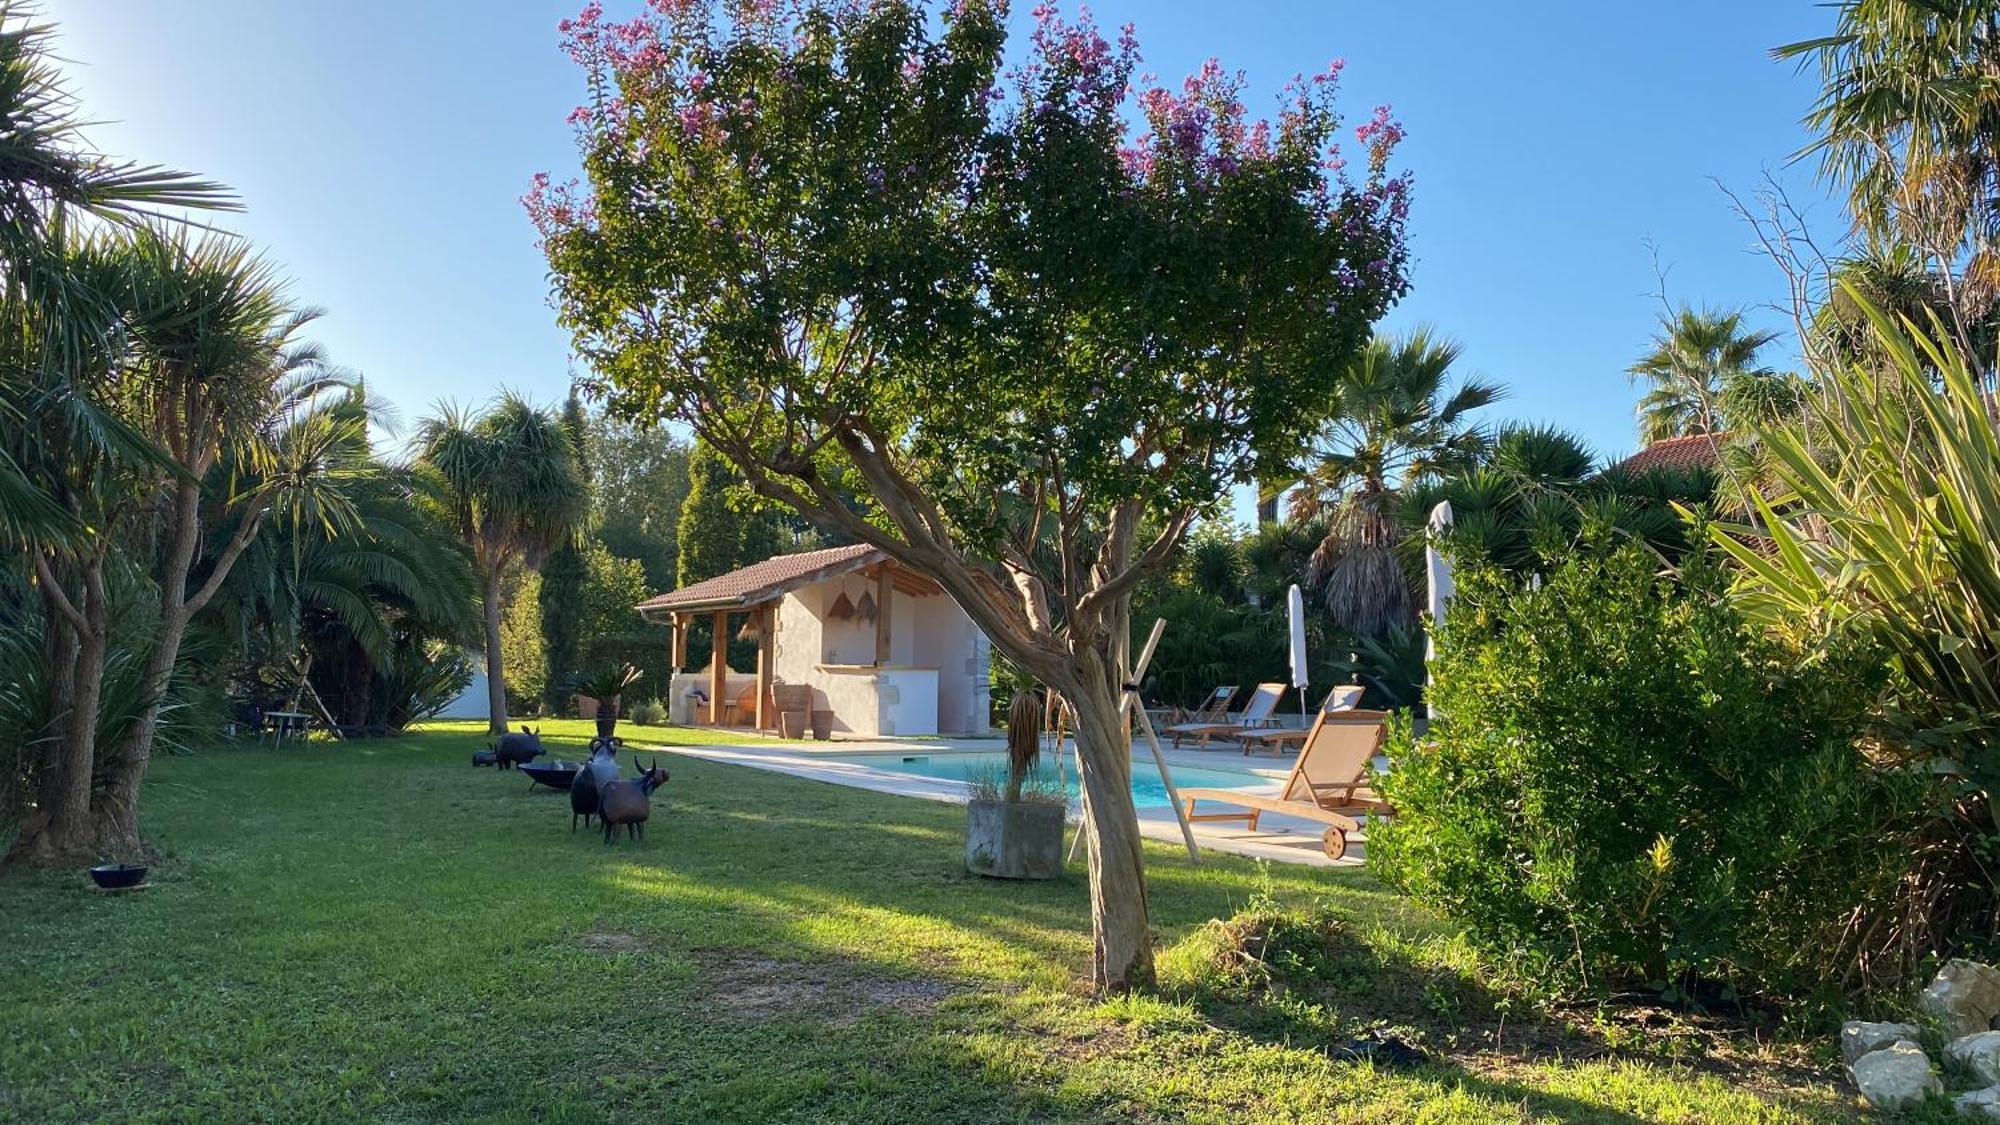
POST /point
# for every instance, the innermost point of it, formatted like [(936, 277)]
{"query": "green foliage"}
[(648, 713), (641, 482), (563, 576), (721, 528), (1881, 526), (1623, 779), (524, 651), (1702, 376)]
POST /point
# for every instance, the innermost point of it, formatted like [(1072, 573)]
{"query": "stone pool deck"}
[(1284, 839)]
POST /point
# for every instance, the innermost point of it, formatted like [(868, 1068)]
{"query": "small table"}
[(283, 723)]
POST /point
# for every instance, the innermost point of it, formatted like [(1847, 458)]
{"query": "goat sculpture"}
[(513, 749), (598, 771), (629, 803)]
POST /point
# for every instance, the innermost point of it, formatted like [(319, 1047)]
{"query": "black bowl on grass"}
[(117, 876), (555, 775)]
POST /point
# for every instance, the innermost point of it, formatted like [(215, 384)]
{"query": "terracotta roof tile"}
[(1695, 451), (765, 581)]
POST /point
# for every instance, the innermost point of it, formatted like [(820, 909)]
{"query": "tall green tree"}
[(1396, 417), (1037, 345), (641, 476), (561, 595), (508, 480), (1702, 375)]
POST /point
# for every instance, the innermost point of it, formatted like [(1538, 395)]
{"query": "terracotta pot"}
[(607, 717)]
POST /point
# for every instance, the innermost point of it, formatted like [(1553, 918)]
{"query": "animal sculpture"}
[(484, 757), (628, 804), (599, 770), (513, 749)]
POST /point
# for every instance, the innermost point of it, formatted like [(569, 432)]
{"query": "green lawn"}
[(378, 931)]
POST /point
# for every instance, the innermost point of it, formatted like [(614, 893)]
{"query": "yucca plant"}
[(1884, 518)]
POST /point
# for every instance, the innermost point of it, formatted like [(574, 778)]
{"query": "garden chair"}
[(1343, 697), (1328, 784), (1214, 709), (1256, 715)]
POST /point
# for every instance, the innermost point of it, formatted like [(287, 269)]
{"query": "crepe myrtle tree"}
[(863, 257)]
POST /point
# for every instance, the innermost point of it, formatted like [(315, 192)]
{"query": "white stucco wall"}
[(924, 633)]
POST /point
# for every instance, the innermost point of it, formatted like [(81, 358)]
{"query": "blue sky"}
[(380, 149)]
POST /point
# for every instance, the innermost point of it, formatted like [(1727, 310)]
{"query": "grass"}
[(377, 932)]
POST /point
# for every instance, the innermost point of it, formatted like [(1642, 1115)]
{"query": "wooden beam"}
[(718, 671), (766, 622), (680, 641), (883, 587)]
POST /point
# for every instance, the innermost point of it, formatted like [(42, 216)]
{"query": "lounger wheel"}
[(1334, 843)]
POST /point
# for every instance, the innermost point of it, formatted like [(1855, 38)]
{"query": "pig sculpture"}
[(513, 749)]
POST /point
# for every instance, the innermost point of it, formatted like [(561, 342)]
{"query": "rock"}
[(1897, 1076), (1979, 1103), (1964, 997), (1858, 1037), (1978, 1053)]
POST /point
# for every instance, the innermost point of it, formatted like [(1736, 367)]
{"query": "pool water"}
[(1148, 791)]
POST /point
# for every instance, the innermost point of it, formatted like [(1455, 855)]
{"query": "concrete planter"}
[(1014, 841)]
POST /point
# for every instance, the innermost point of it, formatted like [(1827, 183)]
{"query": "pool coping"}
[(1282, 838)]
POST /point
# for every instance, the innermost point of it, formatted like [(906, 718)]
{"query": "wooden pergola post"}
[(766, 620), (718, 671), (680, 641), (883, 590)]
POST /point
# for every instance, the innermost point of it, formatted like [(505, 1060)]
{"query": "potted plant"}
[(1014, 825), (605, 687)]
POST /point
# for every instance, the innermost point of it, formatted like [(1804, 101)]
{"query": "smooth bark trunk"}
[(496, 679), (1122, 957)]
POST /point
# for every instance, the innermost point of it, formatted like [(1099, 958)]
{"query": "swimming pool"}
[(1147, 790)]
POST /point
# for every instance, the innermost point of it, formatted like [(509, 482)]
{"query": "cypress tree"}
[(563, 575)]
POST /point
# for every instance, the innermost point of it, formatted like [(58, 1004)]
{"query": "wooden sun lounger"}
[(1328, 784), (1256, 715), (1214, 709), (1343, 697)]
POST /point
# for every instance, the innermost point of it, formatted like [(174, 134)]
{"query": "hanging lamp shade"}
[(842, 608), (865, 608), (749, 631)]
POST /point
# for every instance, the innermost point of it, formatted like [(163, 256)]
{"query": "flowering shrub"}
[(1622, 779)]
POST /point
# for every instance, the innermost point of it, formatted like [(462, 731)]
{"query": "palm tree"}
[(1909, 124), (509, 482), (1702, 361), (1396, 419)]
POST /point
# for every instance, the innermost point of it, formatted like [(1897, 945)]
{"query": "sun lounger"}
[(1328, 784), (1343, 697), (1215, 709), (1256, 715)]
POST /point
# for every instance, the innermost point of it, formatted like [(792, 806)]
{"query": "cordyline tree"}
[(827, 239)]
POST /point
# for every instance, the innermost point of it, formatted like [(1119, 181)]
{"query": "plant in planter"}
[(1014, 825), (605, 687)]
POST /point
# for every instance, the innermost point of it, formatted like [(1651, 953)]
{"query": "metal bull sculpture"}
[(629, 803)]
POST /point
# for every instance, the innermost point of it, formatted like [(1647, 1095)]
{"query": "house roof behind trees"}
[(763, 582), (1680, 454)]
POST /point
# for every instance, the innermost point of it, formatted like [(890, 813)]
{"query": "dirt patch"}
[(759, 988), (610, 941)]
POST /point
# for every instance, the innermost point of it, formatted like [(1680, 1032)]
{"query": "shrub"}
[(650, 713), (1624, 780)]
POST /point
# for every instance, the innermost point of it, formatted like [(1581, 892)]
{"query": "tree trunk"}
[(60, 830), (496, 678), (1122, 957)]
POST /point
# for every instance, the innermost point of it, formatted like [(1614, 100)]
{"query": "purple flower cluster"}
[(556, 208)]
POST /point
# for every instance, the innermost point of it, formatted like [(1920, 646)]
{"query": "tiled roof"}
[(765, 581), (1695, 451)]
